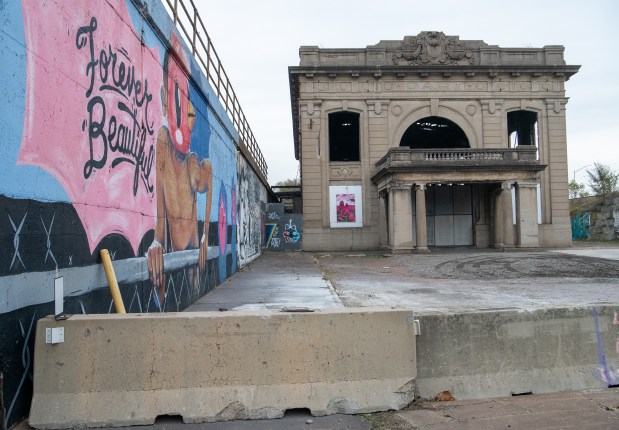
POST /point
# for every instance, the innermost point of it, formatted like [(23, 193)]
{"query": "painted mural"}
[(251, 209), (112, 138)]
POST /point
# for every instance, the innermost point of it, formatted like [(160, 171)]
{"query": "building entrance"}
[(449, 215)]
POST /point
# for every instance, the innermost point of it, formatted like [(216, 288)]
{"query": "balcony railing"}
[(186, 17), (404, 157)]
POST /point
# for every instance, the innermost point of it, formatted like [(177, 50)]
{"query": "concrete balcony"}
[(463, 163), (404, 157)]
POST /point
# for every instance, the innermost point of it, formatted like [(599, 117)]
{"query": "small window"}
[(344, 136), (522, 128)]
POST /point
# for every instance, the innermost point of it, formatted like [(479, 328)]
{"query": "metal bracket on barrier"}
[(54, 335), (417, 328)]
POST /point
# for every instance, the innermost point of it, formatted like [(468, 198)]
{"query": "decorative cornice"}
[(399, 186)]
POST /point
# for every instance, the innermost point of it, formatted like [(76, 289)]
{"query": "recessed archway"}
[(434, 132)]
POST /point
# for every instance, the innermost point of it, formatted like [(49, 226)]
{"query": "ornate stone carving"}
[(432, 48)]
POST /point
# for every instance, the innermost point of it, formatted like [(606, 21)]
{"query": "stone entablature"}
[(432, 48)]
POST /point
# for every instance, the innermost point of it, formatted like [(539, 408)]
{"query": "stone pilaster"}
[(527, 229), (383, 221), (503, 216), (400, 218)]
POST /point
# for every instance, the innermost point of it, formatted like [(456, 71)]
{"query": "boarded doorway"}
[(449, 215)]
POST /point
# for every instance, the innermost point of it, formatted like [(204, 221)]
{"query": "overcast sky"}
[(258, 40)]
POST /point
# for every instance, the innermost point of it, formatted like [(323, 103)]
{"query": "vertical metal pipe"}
[(111, 279)]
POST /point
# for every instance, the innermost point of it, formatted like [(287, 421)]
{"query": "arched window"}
[(434, 132), (522, 128), (343, 136)]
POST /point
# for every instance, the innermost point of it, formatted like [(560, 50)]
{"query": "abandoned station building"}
[(432, 141)]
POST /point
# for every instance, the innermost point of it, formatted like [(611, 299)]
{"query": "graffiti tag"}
[(291, 235)]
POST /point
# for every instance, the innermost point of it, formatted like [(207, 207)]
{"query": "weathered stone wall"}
[(603, 222)]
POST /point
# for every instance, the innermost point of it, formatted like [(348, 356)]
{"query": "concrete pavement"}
[(453, 281), (273, 281), (442, 282), (606, 253), (594, 409), (449, 282)]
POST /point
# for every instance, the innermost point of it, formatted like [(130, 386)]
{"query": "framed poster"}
[(345, 206)]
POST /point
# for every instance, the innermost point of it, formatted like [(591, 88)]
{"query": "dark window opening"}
[(434, 132), (344, 136), (522, 128)]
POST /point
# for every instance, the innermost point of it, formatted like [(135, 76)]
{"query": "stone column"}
[(497, 215), (507, 214), (383, 222), (503, 216), (527, 229), (400, 218), (420, 218)]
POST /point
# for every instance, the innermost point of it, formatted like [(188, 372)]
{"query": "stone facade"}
[(501, 115)]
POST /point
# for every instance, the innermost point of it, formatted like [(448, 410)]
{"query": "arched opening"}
[(434, 132)]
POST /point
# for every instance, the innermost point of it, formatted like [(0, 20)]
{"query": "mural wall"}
[(251, 209), (111, 138)]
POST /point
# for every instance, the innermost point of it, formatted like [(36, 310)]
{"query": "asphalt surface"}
[(453, 281), (443, 281)]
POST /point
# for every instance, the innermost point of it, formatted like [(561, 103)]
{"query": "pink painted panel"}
[(93, 111)]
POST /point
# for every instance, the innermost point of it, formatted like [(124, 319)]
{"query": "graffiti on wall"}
[(606, 372), (283, 231), (112, 139), (291, 234), (92, 122), (252, 196)]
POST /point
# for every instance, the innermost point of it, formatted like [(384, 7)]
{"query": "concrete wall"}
[(111, 138), (283, 231), (500, 353), (114, 370)]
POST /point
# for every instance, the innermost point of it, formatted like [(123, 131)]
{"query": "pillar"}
[(503, 216), (420, 218), (507, 214), (527, 229), (400, 218), (383, 221)]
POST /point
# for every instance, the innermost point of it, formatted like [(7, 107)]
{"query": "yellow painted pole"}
[(111, 279)]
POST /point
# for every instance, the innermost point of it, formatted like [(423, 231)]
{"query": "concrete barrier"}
[(501, 353), (114, 370)]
